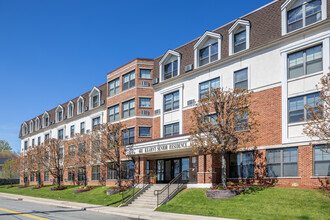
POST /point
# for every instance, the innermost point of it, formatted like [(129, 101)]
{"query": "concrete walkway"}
[(130, 212)]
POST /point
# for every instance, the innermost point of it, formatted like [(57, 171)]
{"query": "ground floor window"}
[(71, 175), (148, 167), (111, 171), (127, 169), (31, 177), (241, 165), (282, 162), (321, 159), (46, 176), (96, 173), (81, 174)]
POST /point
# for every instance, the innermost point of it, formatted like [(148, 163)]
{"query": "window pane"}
[(241, 79), (273, 156), (273, 170), (313, 12), (215, 83), (204, 88), (290, 169), (176, 129), (146, 74), (290, 155), (144, 132), (296, 109), (296, 64), (295, 19), (214, 48), (322, 168), (314, 59), (203, 53)]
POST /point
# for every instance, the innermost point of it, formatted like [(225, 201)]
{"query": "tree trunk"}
[(39, 179), (223, 169), (85, 178), (58, 180)]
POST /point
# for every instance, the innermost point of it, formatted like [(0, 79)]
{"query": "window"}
[(242, 122), (297, 111), (241, 79), (171, 101), (240, 41), (171, 130), (129, 108), (46, 120), (96, 173), (171, 69), (72, 131), (305, 62), (59, 113), (61, 153), (37, 124), (39, 141), (282, 162), (128, 137), (111, 171), (144, 131), (114, 113), (25, 145), (148, 167), (31, 177), (95, 122), (114, 87), (81, 174), (321, 161), (208, 54), (95, 101), (80, 105), (205, 87), (25, 129), (70, 110), (46, 137), (32, 142), (31, 126), (81, 148), (127, 170), (82, 128), (72, 151), (242, 165), (129, 80), (46, 176), (304, 15), (145, 102), (71, 176), (145, 74), (60, 134)]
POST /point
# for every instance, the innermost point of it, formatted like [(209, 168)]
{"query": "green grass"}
[(257, 203), (95, 196)]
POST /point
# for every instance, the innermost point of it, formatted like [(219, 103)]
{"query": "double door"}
[(167, 169)]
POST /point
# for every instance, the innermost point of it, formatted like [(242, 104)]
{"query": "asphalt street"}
[(11, 209)]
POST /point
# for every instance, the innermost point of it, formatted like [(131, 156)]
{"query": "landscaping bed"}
[(83, 189), (256, 203)]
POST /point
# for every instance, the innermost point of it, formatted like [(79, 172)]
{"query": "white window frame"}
[(95, 92), (238, 26), (164, 61), (82, 100), (58, 109), (45, 115), (25, 129), (70, 113), (201, 44), (37, 124), (290, 4), (31, 126)]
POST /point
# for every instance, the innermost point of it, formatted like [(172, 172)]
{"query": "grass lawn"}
[(96, 196), (257, 203)]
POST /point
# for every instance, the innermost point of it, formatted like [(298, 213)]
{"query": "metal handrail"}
[(131, 192), (166, 189)]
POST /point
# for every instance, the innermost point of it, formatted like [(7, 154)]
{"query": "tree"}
[(318, 115), (106, 141), (53, 159), (21, 166), (79, 158), (4, 146), (222, 122), (36, 157), (8, 170)]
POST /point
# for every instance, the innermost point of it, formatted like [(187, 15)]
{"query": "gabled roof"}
[(206, 35), (169, 53)]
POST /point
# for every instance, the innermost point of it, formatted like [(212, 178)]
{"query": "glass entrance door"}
[(168, 171), (160, 171), (170, 168)]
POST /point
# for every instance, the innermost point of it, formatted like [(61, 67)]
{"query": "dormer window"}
[(301, 13), (80, 108), (207, 49), (59, 113), (31, 126), (169, 65), (239, 36), (94, 98), (37, 124), (70, 109), (45, 119), (25, 129)]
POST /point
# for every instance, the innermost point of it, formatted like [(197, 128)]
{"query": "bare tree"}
[(223, 121), (35, 161), (21, 166), (318, 115), (107, 146), (53, 159)]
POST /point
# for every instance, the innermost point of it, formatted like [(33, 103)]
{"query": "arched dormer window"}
[(31, 126), (170, 65), (80, 105), (37, 124), (239, 36), (25, 129), (59, 113), (94, 98), (70, 109), (297, 14), (45, 119), (207, 49)]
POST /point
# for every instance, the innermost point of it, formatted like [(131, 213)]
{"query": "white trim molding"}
[(164, 60), (202, 41), (238, 26)]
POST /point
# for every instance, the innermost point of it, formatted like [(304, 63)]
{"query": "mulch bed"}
[(58, 188), (83, 189)]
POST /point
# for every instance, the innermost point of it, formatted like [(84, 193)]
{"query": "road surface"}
[(11, 209)]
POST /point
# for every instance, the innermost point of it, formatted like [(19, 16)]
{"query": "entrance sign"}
[(133, 150)]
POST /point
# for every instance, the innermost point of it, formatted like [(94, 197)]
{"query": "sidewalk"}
[(130, 212)]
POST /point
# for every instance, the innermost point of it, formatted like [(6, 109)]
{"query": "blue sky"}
[(53, 51)]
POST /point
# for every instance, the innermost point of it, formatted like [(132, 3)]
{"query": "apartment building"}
[(279, 51)]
